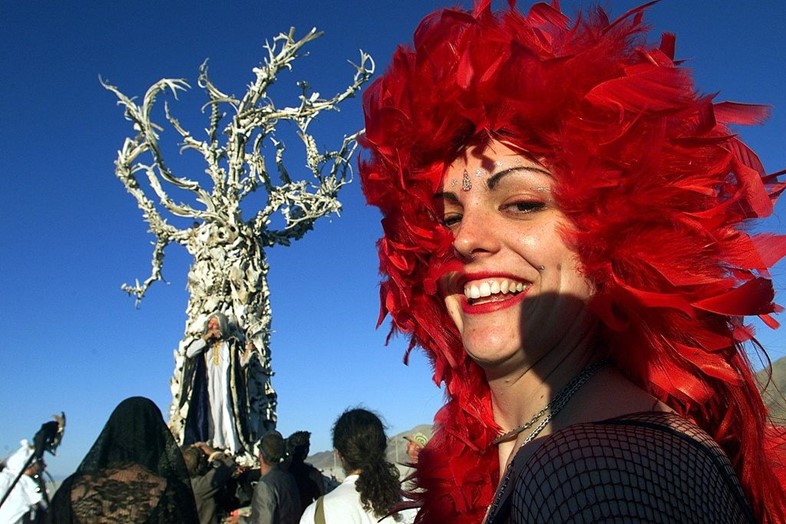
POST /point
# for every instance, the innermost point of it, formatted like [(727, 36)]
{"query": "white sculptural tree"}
[(226, 236)]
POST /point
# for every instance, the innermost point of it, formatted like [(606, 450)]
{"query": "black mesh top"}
[(646, 467)]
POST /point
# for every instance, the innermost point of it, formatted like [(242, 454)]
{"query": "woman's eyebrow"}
[(491, 182), (494, 179), (446, 195)]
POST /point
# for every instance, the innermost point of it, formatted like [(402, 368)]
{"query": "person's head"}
[(359, 437), (617, 209), (360, 440), (415, 442), (516, 274), (298, 445), (196, 461), (616, 162), (272, 448), (135, 434), (136, 455), (218, 321)]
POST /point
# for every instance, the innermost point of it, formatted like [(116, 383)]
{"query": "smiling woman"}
[(507, 232), (564, 234)]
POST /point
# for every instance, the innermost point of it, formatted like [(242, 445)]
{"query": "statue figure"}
[(214, 388)]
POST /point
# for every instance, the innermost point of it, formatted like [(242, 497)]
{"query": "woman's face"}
[(520, 292)]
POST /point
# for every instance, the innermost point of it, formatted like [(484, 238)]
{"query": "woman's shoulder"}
[(636, 432), (344, 495), (649, 424), (343, 505), (641, 465)]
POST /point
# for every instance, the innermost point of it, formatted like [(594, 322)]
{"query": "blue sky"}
[(73, 342)]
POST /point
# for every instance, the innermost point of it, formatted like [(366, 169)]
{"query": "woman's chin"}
[(495, 360)]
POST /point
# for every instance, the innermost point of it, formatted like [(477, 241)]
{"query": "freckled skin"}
[(508, 225)]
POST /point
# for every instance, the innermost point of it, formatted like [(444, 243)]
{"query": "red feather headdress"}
[(640, 160)]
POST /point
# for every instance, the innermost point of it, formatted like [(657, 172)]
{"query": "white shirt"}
[(21, 500), (343, 506)]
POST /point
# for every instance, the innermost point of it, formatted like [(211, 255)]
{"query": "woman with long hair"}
[(566, 236), (371, 489)]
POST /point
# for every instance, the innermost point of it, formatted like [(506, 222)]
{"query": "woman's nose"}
[(475, 235)]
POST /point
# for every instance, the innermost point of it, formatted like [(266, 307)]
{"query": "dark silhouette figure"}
[(134, 473), (308, 478)]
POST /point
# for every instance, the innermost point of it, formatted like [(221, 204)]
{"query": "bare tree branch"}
[(229, 269)]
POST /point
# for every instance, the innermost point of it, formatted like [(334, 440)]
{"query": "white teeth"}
[(493, 287)]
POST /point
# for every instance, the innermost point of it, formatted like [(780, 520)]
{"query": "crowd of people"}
[(135, 472)]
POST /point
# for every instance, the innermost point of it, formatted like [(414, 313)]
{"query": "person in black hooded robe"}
[(134, 473)]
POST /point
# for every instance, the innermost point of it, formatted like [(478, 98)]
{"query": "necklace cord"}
[(559, 401)]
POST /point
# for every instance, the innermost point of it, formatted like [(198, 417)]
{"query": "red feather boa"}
[(657, 187)]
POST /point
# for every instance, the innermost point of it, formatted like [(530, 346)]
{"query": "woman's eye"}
[(451, 220), (525, 206)]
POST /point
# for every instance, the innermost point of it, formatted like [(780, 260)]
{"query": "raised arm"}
[(196, 347)]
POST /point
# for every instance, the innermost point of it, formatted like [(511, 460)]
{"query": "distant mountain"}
[(323, 460), (396, 453), (775, 390)]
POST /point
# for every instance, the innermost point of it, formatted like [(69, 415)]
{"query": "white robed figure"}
[(214, 386), (26, 494)]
